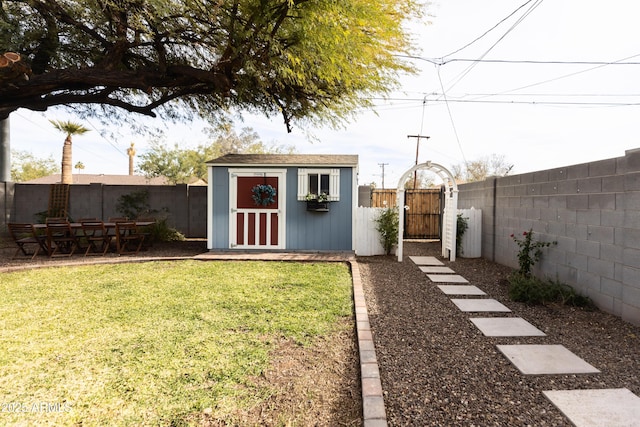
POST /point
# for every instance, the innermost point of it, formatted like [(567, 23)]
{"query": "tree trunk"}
[(5, 151), (67, 177)]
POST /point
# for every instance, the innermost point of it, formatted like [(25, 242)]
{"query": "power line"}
[(442, 61), (489, 30), (536, 62), (444, 100), (464, 73), (567, 75)]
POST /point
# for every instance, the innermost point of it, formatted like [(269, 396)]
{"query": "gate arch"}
[(449, 220)]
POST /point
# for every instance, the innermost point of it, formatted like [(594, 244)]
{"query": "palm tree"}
[(70, 128)]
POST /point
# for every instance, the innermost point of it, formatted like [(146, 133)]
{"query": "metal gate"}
[(423, 212)]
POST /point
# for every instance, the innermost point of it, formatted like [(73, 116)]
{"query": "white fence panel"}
[(367, 237), (472, 238)]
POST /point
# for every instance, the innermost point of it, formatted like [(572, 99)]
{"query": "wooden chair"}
[(25, 236), (98, 239), (92, 218), (61, 239), (128, 239), (116, 219), (56, 219), (147, 230)]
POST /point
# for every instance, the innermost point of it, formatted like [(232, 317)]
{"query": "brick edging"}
[(373, 410)]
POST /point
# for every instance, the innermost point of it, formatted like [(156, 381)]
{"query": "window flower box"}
[(317, 206), (317, 202)]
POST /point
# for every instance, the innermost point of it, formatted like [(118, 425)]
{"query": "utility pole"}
[(382, 166), (418, 138)]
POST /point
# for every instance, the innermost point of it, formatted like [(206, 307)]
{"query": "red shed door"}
[(257, 220)]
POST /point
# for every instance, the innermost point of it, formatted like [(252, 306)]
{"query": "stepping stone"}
[(531, 359), (436, 269), (461, 290), (488, 304), (447, 278), (426, 260), (506, 327), (595, 408)]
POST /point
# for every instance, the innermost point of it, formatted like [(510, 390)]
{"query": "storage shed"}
[(292, 202)]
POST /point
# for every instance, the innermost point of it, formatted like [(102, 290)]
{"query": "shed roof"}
[(348, 160)]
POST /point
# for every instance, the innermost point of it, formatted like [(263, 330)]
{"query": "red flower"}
[(511, 234), (525, 233)]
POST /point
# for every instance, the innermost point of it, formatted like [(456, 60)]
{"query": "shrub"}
[(136, 204), (530, 252), (161, 232), (528, 289), (462, 225), (531, 290), (524, 287), (387, 224)]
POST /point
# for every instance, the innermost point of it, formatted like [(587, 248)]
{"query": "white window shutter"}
[(303, 184), (334, 185)]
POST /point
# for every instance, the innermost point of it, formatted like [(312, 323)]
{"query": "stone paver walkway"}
[(584, 408)]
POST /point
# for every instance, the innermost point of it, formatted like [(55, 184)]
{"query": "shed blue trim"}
[(305, 230), (220, 221), (322, 231)]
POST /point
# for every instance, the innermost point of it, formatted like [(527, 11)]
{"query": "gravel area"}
[(438, 369)]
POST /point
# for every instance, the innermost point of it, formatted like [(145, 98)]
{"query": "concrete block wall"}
[(592, 210)]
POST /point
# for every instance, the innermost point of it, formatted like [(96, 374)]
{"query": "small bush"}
[(531, 290), (530, 251), (388, 225), (136, 204), (462, 225), (161, 232)]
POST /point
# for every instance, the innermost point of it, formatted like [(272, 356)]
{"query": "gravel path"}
[(438, 369)]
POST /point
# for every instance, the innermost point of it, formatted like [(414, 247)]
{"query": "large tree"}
[(180, 165), (314, 60), (27, 166), (482, 168)]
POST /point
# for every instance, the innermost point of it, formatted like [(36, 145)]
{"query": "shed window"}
[(318, 181)]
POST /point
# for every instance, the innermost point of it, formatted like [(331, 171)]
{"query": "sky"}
[(542, 83)]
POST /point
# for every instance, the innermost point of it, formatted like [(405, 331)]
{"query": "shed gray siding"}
[(305, 231)]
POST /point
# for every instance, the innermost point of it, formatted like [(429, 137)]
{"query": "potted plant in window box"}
[(317, 202)]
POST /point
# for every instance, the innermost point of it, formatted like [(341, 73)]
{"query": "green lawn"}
[(154, 343)]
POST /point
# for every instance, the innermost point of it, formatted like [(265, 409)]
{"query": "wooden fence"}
[(423, 212)]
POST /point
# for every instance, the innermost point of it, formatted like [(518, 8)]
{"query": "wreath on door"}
[(263, 194)]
